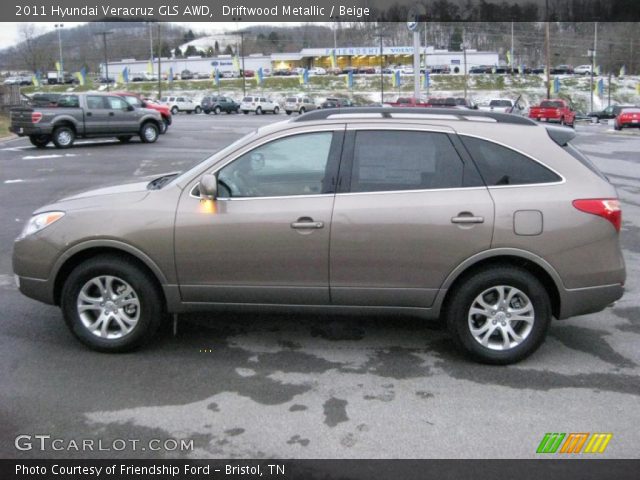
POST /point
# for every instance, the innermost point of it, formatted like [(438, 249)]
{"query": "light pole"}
[(106, 58), (244, 84), (58, 27), (380, 34)]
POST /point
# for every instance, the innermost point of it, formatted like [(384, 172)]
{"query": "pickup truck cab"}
[(558, 111), (84, 115), (137, 101), (408, 102), (503, 105)]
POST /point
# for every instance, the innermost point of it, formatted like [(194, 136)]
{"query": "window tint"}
[(289, 166), (499, 165), (247, 99), (116, 103), (396, 160), (95, 102)]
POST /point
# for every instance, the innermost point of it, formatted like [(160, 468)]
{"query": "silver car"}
[(490, 221), (299, 105)]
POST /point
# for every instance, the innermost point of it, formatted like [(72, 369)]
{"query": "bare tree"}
[(34, 52)]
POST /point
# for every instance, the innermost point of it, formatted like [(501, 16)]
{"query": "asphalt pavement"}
[(292, 386)]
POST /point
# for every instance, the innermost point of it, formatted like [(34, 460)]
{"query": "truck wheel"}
[(164, 126), (175, 110), (40, 141), (217, 110), (276, 111), (259, 111), (149, 133), (124, 138), (302, 110), (499, 316), (63, 137), (198, 109), (288, 112), (111, 305)]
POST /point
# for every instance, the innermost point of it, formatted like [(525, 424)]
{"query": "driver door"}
[(265, 239)]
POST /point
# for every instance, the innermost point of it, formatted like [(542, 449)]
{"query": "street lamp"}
[(380, 34), (58, 27)]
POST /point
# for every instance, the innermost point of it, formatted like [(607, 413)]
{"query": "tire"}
[(245, 112), (217, 110), (276, 110), (164, 126), (143, 303), (485, 285), (149, 132), (562, 124), (302, 110), (40, 141), (288, 112), (175, 110), (198, 110), (207, 112), (259, 111), (124, 138), (616, 127), (64, 136)]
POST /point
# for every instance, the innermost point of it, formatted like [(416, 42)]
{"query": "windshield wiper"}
[(158, 183)]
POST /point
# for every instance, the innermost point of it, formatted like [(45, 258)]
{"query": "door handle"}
[(306, 223), (466, 217), (111, 114)]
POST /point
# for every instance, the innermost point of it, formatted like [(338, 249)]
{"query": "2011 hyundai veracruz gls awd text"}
[(488, 220)]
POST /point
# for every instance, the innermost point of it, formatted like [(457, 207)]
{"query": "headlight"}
[(40, 221)]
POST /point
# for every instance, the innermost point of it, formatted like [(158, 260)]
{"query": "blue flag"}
[(305, 76), (350, 79), (427, 80)]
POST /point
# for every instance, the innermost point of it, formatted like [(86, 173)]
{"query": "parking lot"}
[(302, 386)]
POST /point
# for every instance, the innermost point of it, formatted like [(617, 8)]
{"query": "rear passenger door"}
[(408, 210), (96, 117)]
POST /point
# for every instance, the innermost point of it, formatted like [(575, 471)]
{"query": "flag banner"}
[(601, 87), (36, 80), (521, 69), (78, 76), (638, 88), (216, 77), (426, 80), (509, 57), (236, 63), (349, 79), (396, 78), (305, 76), (556, 85), (334, 60), (170, 78), (150, 67), (260, 76), (59, 68), (623, 71), (597, 70), (494, 69), (125, 74), (301, 77)]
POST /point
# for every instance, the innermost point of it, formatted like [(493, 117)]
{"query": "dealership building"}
[(313, 57)]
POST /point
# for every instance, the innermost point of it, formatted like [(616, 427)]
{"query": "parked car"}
[(48, 99), (558, 111), (496, 264), (230, 74), (218, 104), (366, 70), (562, 70), (538, 70), (85, 115), (181, 103), (299, 104), (137, 101), (627, 118), (248, 73), (503, 105), (409, 102), (440, 69), (282, 72), (150, 77), (201, 75), (317, 71), (259, 105), (336, 103), (582, 70), (612, 111), (137, 77)]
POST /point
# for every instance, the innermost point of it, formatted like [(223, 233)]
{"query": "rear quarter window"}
[(500, 165)]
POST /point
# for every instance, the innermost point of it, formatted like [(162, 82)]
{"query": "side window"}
[(94, 102), (500, 165), (262, 99), (400, 160), (180, 99), (134, 101), (116, 103), (293, 165), (68, 101)]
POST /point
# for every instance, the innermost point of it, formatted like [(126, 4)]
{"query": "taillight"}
[(36, 117), (607, 208)]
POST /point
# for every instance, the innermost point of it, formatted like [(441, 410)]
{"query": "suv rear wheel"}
[(259, 111), (174, 110), (63, 137), (110, 305), (217, 110), (499, 316)]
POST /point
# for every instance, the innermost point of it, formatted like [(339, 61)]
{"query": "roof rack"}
[(407, 113)]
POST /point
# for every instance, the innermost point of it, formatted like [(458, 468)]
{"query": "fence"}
[(9, 97)]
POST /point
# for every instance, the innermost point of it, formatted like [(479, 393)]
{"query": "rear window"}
[(500, 165), (292, 100), (247, 99), (500, 103), (68, 101), (551, 105)]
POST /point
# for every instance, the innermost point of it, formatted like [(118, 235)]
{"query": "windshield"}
[(500, 103), (291, 100), (220, 153)]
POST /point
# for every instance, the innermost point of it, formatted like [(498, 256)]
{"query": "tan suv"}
[(489, 220), (299, 104)]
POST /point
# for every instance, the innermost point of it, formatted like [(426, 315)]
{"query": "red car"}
[(627, 118), (557, 111), (136, 100), (409, 102)]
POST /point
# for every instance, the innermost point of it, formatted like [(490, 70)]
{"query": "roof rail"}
[(407, 112)]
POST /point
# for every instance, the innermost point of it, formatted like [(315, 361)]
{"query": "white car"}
[(259, 105), (317, 71), (582, 70), (150, 77), (181, 104), (406, 70)]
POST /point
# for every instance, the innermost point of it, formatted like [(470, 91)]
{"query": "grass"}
[(4, 125)]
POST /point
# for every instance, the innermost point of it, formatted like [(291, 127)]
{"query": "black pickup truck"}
[(84, 115)]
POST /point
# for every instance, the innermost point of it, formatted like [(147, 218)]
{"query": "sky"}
[(9, 35)]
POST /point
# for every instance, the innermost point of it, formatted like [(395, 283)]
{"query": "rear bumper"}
[(581, 301), (27, 130)]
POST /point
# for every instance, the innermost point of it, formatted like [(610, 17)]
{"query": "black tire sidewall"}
[(217, 110), (151, 312), (462, 298), (57, 131)]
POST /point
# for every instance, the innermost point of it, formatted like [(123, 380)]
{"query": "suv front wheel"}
[(111, 305), (499, 316)]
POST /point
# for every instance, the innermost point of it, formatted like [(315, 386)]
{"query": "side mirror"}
[(130, 108), (208, 186)]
